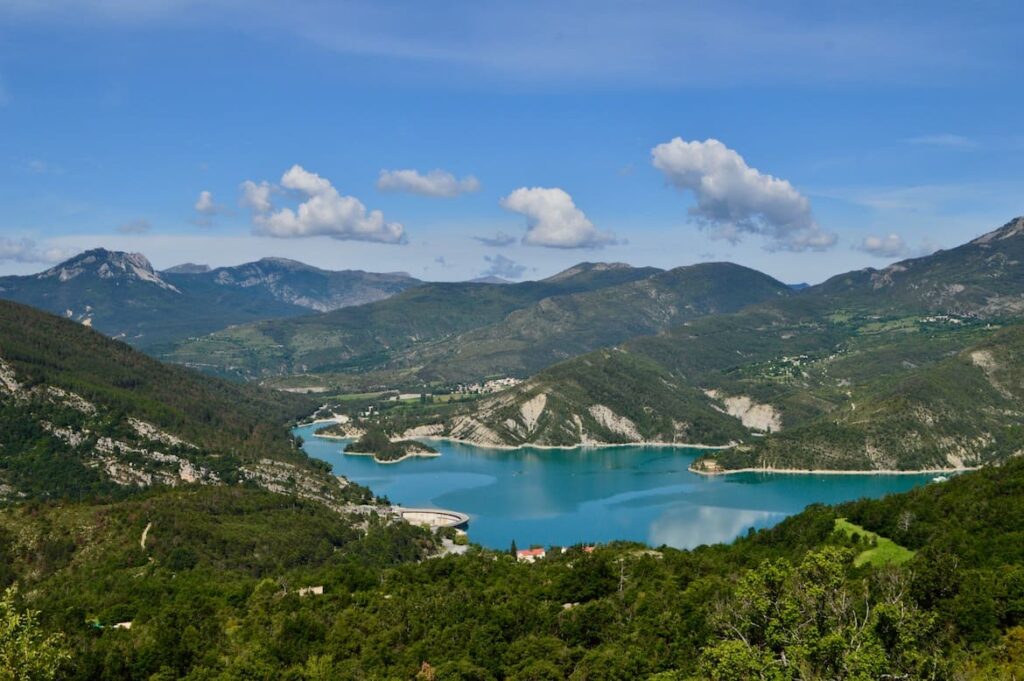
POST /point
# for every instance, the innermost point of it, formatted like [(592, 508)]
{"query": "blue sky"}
[(814, 138)]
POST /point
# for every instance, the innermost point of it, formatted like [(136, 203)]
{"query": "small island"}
[(376, 443), (342, 430)]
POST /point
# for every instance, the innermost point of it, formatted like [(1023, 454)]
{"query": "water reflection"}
[(690, 526), (645, 494)]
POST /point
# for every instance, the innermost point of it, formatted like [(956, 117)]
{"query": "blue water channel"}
[(564, 497)]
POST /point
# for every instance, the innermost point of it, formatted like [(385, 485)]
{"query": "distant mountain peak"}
[(1011, 229), (287, 263), (583, 267), (104, 264), (187, 268), (491, 280)]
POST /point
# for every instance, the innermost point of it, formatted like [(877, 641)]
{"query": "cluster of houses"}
[(535, 554), (492, 386)]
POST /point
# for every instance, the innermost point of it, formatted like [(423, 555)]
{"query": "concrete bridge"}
[(432, 517)]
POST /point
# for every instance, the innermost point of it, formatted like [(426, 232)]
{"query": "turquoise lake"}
[(564, 497)]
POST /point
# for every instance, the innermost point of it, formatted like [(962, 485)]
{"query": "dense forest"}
[(242, 584)]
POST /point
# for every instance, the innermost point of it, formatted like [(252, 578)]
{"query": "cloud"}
[(946, 140), (891, 246), (256, 197), (435, 183), (205, 205), (553, 220), (323, 212), (27, 251), (734, 199), (503, 267), (499, 240), (137, 226), (895, 246), (443, 262)]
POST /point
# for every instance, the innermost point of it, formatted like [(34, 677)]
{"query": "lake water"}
[(565, 497)]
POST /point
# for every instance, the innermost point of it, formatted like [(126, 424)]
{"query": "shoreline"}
[(501, 447), (410, 455), (824, 471), (334, 437), (722, 472), (585, 445)]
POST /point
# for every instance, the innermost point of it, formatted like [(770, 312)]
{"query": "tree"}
[(26, 652)]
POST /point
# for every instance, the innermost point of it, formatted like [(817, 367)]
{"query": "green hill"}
[(854, 373), (959, 411), (564, 326), (85, 415), (238, 583), (452, 333), (367, 337)]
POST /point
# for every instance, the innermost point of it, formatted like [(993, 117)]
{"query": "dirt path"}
[(145, 533)]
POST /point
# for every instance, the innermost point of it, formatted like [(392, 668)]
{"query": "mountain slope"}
[(983, 278), (963, 411), (122, 295), (368, 336), (798, 363), (560, 327), (454, 333), (84, 414), (295, 283)]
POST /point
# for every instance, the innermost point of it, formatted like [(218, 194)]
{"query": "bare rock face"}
[(105, 264)]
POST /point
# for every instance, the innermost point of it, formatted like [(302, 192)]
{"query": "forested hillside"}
[(564, 326), (86, 415), (366, 338), (219, 587), (854, 373)]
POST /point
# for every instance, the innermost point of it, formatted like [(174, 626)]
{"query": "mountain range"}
[(458, 332), (122, 295), (836, 375), (158, 523), (908, 367)]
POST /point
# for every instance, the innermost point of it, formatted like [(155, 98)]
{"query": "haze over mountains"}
[(122, 295)]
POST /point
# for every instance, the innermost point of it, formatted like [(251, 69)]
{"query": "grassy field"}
[(884, 552)]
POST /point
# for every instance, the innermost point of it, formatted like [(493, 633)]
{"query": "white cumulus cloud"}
[(895, 246), (435, 183), (256, 197), (889, 246), (734, 199), (205, 205), (323, 211), (553, 220)]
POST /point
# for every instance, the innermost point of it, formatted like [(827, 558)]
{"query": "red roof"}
[(530, 552)]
